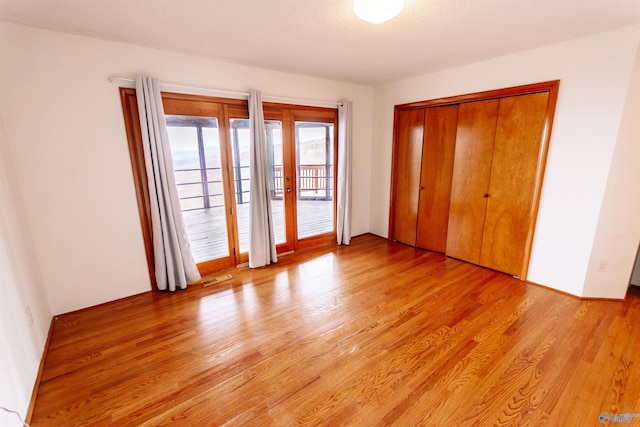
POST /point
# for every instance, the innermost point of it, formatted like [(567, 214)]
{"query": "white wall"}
[(618, 233), (595, 74), (65, 130), (24, 310)]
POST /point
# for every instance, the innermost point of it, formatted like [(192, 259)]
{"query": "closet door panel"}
[(410, 127), (516, 150), (470, 184), (437, 172)]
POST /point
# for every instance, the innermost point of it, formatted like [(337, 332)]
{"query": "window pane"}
[(274, 153), (216, 201), (215, 189), (187, 177), (214, 174), (212, 148), (314, 166), (189, 190), (240, 154), (184, 147), (242, 177), (188, 204), (195, 147)]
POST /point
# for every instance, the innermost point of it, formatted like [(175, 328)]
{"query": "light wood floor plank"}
[(372, 334)]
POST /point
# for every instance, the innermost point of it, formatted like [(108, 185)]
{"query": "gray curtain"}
[(262, 246), (173, 261), (343, 226)]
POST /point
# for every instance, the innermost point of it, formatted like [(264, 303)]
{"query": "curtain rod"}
[(192, 90)]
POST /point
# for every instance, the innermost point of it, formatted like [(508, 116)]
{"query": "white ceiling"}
[(323, 37)]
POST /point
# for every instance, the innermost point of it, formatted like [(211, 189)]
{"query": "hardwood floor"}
[(376, 333)]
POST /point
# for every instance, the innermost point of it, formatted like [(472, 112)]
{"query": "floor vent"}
[(217, 279)]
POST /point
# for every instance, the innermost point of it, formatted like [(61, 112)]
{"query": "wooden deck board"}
[(207, 231), (373, 334)]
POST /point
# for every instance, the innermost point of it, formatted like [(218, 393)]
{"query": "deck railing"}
[(314, 183)]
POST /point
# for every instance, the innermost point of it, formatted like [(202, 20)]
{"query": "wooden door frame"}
[(324, 115), (291, 114), (411, 118), (551, 87), (134, 138), (194, 105), (272, 112), (134, 135)]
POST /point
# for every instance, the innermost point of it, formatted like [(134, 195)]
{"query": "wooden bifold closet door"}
[(511, 191), (494, 174), (467, 173), (435, 177), (424, 162), (470, 183), (410, 127)]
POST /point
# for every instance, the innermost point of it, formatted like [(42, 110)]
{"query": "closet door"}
[(519, 130), (470, 184), (435, 182), (408, 155)]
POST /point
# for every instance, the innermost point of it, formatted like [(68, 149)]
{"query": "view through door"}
[(314, 172), (301, 160), (209, 141), (199, 143), (242, 178), (195, 150)]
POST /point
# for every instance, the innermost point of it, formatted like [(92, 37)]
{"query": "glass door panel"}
[(242, 177), (195, 148), (240, 152), (209, 141), (276, 176), (314, 172)]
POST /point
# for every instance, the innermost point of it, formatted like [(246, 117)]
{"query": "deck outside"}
[(314, 217)]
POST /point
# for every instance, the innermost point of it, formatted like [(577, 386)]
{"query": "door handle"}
[(288, 190), (485, 195)]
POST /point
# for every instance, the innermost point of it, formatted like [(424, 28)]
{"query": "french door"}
[(209, 139), (302, 157), (199, 140), (312, 172)]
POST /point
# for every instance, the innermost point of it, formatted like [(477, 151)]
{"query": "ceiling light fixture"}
[(377, 11)]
